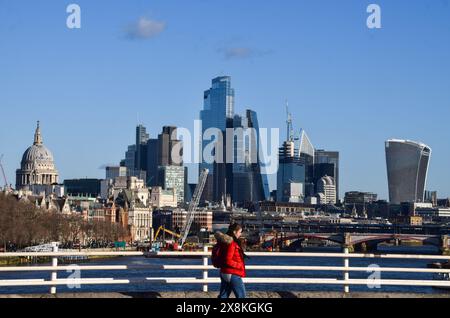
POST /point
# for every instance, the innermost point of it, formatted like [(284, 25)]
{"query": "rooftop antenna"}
[(290, 129)]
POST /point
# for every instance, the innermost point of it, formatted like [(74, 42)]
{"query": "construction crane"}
[(3, 172), (193, 206), (162, 228)]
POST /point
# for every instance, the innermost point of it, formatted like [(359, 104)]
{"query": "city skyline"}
[(374, 86), (38, 140)]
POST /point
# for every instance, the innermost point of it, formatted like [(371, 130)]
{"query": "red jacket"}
[(234, 259)]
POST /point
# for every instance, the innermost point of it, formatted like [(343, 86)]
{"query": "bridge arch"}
[(426, 240), (337, 238), (354, 239)]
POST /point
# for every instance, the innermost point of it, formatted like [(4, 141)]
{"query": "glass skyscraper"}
[(249, 184), (407, 169), (253, 122), (306, 151), (218, 106), (218, 103)]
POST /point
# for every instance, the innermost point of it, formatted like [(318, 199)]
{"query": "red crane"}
[(3, 172)]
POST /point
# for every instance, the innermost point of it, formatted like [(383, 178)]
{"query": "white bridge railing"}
[(204, 268)]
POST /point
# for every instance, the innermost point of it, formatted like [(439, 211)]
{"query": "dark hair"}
[(234, 228), (231, 232)]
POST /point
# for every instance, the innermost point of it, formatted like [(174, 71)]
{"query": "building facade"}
[(326, 163), (326, 189), (114, 172), (141, 149), (203, 220), (432, 197), (407, 169), (285, 207), (249, 183), (85, 187), (161, 198), (360, 198), (306, 152), (140, 222), (173, 177), (291, 173), (167, 144)]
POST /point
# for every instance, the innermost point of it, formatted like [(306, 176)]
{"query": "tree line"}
[(22, 224)]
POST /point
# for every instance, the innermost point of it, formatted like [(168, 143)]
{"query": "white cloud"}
[(241, 53), (145, 28), (237, 52)]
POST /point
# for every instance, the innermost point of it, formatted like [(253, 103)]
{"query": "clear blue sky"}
[(351, 88)]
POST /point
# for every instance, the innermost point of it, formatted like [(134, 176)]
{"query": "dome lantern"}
[(37, 135)]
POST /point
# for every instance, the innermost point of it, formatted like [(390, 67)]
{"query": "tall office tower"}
[(306, 153), (407, 169), (130, 160), (326, 189), (223, 178), (136, 156), (326, 163), (218, 105), (159, 154), (291, 174), (296, 166), (249, 184), (152, 162), (141, 148), (165, 164), (167, 141), (260, 176)]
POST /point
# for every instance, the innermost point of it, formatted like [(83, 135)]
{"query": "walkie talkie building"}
[(407, 169)]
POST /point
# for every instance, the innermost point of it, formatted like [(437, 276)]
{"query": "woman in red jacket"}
[(233, 268)]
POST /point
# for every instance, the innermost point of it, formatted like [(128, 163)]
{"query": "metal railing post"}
[(54, 276), (346, 273), (205, 272)]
